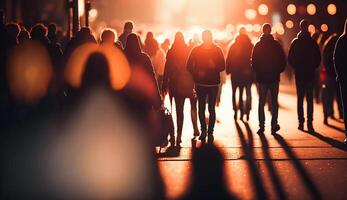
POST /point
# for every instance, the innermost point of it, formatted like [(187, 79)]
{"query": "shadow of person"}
[(171, 151), (208, 181), (247, 149), (335, 127), (335, 143), (267, 157), (310, 185)]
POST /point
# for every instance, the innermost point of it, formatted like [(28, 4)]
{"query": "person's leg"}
[(325, 102), (274, 88), (262, 99), (201, 93), (309, 99), (343, 89), (179, 102), (339, 100), (241, 104), (234, 87), (212, 98), (194, 115), (248, 100), (300, 101)]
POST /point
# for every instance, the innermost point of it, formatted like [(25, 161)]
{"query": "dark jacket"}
[(238, 62), (268, 60), (205, 64), (328, 56), (176, 76), (304, 56), (340, 59)]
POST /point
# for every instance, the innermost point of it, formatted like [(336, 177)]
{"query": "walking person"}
[(179, 82), (205, 63), (304, 56), (268, 62), (340, 61), (128, 28), (239, 66)]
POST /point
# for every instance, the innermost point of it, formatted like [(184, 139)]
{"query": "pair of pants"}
[(330, 92), (263, 90), (240, 106), (343, 88), (179, 102), (305, 89), (207, 95)]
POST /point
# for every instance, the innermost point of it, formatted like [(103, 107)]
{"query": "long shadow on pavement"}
[(299, 167), (335, 143), (272, 171), (247, 149)]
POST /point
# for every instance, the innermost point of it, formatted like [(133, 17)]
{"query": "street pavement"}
[(292, 165)]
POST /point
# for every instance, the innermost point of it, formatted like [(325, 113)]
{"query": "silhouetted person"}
[(166, 45), (144, 91), (151, 45), (340, 61), (179, 82), (38, 33), (52, 33), (268, 62), (128, 28), (304, 56), (208, 181), (239, 66), (205, 63), (330, 90), (194, 41), (109, 36), (23, 36)]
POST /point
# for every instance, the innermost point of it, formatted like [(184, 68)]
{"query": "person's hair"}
[(304, 25), (96, 70), (13, 29), (108, 33), (38, 31), (266, 28), (129, 25), (179, 39)]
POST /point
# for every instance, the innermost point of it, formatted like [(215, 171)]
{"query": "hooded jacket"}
[(268, 60), (304, 56)]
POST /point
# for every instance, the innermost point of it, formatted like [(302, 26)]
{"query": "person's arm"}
[(254, 58), (220, 60), (291, 54), (229, 61), (317, 55)]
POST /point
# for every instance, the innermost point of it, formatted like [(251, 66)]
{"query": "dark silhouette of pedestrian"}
[(52, 33), (151, 45), (205, 63), (238, 64), (166, 45), (128, 28), (208, 181), (304, 56), (268, 62), (340, 61), (179, 83), (23, 36), (109, 36), (330, 89)]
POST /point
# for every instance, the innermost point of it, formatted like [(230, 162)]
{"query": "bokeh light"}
[(311, 9), (93, 14), (250, 14), (263, 9), (249, 28), (291, 9), (289, 24), (324, 27), (256, 27), (81, 6), (311, 28), (332, 9)]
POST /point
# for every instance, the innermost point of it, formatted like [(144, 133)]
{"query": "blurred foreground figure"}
[(304, 56), (208, 175), (179, 82), (268, 62), (340, 60), (239, 66), (205, 63)]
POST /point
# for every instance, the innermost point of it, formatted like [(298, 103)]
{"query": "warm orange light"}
[(93, 14), (324, 27), (249, 27), (311, 28), (229, 28), (81, 7), (250, 14), (256, 27), (289, 24), (291, 9), (263, 9), (332, 9), (311, 9)]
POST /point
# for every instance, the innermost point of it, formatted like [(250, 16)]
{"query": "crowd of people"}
[(182, 71)]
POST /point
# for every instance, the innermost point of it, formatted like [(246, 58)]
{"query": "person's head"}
[(12, 30), (266, 29), (133, 44), (166, 44), (128, 26), (108, 36), (52, 28), (85, 31), (242, 31), (304, 25), (38, 31), (150, 35), (23, 36), (179, 39), (207, 37), (96, 71)]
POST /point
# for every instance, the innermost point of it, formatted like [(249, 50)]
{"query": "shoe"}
[(301, 126), (202, 136), (274, 129), (261, 130), (310, 128)]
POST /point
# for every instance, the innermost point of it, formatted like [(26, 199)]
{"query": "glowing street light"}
[(311, 9), (263, 9), (291, 9), (324, 27), (332, 9), (250, 14), (289, 24)]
